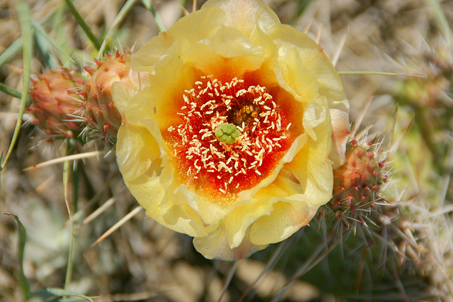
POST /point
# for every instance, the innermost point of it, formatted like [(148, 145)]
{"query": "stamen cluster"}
[(227, 167)]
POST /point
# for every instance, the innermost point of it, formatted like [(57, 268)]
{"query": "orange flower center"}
[(218, 167)]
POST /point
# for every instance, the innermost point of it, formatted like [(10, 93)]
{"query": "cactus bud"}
[(55, 100), (102, 117)]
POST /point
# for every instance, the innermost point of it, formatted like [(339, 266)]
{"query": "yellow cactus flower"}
[(234, 140)]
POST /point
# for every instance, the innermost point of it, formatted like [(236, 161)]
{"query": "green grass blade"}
[(42, 50), (41, 30), (62, 292), (10, 51), (378, 73), (83, 24), (84, 298), (121, 15), (23, 11), (149, 6), (70, 265), (12, 92), (17, 45), (20, 255)]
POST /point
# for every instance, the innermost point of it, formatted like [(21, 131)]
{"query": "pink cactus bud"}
[(55, 100), (114, 68)]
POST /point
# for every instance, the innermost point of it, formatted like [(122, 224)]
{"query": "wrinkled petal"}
[(180, 218), (121, 95), (215, 245), (313, 57), (209, 55), (340, 132), (312, 167), (136, 149), (194, 27), (246, 14)]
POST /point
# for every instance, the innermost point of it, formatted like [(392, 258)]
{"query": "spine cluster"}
[(66, 104)]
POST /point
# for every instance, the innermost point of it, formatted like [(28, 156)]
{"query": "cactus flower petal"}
[(234, 140)]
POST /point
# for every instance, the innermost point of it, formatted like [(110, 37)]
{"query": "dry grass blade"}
[(118, 224), (63, 159)]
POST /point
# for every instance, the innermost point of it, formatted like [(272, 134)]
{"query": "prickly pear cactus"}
[(55, 101), (102, 117)]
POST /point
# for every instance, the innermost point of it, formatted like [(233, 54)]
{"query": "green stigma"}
[(227, 133)]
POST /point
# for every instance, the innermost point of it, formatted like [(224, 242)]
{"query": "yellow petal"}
[(288, 215), (136, 149), (121, 95), (246, 14), (285, 219), (314, 58), (149, 192), (215, 245), (312, 167), (239, 220), (228, 51), (161, 100), (340, 133), (314, 116), (298, 76), (193, 28)]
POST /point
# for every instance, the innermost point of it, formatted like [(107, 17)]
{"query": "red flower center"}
[(221, 168)]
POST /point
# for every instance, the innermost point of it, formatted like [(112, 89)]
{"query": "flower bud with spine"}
[(358, 183), (102, 117), (55, 101)]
